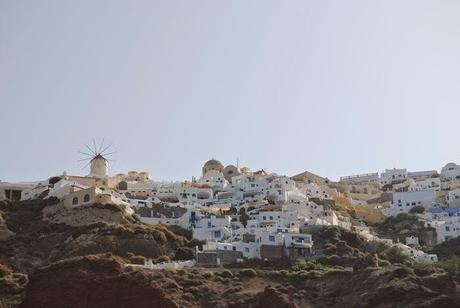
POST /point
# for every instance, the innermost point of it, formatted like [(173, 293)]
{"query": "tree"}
[(395, 254), (243, 217), (419, 209)]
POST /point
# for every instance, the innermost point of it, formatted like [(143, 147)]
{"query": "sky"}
[(333, 87)]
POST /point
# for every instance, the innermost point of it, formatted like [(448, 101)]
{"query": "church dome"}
[(213, 164), (230, 171)]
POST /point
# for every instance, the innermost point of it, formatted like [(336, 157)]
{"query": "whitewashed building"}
[(403, 202), (392, 176), (453, 197), (445, 221), (361, 178), (451, 171)]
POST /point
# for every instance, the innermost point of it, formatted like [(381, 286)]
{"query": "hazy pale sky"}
[(333, 87)]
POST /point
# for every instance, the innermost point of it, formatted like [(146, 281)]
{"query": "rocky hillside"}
[(404, 225), (50, 259), (35, 241), (109, 283)]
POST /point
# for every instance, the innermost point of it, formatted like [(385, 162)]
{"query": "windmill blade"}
[(85, 153), (84, 159), (95, 147), (87, 146), (102, 144), (110, 153), (106, 148), (84, 167)]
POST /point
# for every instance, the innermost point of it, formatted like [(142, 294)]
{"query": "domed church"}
[(213, 165)]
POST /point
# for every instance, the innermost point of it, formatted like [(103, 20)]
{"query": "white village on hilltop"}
[(244, 214)]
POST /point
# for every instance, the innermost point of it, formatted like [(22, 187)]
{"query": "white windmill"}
[(98, 160)]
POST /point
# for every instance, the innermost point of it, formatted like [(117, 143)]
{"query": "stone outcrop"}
[(5, 233)]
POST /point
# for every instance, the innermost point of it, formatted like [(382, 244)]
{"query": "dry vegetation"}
[(106, 275), (360, 212)]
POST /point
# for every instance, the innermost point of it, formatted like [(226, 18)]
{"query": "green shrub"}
[(312, 266), (161, 259), (137, 259), (395, 254), (417, 210), (226, 274), (399, 222), (313, 274), (247, 272), (384, 263), (188, 234), (448, 249), (208, 275), (308, 266), (184, 253), (452, 266), (325, 235), (273, 274), (159, 236)]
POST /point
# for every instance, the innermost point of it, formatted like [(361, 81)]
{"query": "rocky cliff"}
[(52, 261)]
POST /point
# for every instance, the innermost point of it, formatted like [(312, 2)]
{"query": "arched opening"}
[(74, 201), (122, 185), (86, 198)]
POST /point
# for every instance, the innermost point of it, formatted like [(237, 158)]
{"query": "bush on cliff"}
[(395, 254)]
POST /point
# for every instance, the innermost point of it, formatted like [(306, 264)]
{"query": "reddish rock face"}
[(104, 281), (93, 281)]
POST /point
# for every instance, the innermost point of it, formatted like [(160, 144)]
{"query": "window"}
[(75, 201), (264, 218), (217, 234), (246, 249), (271, 238), (86, 198), (271, 217), (447, 228)]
